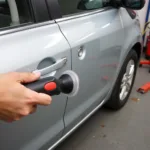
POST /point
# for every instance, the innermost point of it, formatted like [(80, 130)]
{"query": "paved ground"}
[(128, 129)]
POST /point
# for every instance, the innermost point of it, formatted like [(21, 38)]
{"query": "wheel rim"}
[(127, 80)]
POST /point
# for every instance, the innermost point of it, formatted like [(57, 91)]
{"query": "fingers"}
[(43, 99), (16, 100), (30, 108), (37, 98), (27, 77)]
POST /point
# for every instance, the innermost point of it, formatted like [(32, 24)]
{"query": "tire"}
[(117, 101)]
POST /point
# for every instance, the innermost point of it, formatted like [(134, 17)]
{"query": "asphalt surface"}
[(126, 129)]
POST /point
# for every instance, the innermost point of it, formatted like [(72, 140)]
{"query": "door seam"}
[(67, 42), (64, 117), (71, 69)]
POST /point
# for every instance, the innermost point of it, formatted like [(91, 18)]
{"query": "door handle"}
[(59, 64)]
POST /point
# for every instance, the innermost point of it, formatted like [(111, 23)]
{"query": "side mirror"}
[(131, 4)]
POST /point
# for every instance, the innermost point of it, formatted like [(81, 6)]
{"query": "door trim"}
[(27, 27), (56, 14), (87, 13)]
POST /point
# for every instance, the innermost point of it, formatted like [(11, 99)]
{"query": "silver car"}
[(98, 40)]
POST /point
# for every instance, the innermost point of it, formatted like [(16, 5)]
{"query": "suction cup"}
[(69, 83)]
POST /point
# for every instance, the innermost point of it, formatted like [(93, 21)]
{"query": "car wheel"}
[(124, 83)]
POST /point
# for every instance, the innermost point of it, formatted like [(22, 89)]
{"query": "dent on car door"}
[(96, 39), (26, 50)]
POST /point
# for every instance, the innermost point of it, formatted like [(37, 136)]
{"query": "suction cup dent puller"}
[(72, 77), (68, 84)]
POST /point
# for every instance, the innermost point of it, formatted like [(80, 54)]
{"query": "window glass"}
[(69, 7), (14, 13)]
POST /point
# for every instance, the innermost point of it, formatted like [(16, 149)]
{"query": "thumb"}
[(28, 77)]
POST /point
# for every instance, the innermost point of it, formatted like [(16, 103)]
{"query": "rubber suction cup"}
[(69, 83)]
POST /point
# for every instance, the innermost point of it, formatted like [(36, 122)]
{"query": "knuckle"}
[(29, 95), (25, 76), (31, 98), (29, 75), (25, 112)]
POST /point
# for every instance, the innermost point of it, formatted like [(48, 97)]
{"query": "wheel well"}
[(137, 47)]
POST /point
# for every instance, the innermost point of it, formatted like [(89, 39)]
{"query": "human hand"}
[(16, 101)]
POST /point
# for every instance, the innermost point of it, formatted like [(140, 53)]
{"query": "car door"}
[(29, 41), (95, 33)]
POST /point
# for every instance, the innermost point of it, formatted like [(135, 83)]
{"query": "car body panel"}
[(106, 36), (132, 36), (45, 126), (101, 36)]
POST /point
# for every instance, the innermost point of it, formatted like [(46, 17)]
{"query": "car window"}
[(14, 13), (69, 7)]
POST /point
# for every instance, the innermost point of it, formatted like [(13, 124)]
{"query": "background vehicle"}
[(101, 44)]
